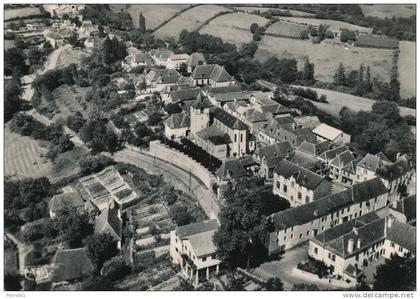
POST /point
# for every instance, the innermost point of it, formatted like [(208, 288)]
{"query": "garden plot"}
[(288, 29), (233, 27), (69, 100), (189, 20)]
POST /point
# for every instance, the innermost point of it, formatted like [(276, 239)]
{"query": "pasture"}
[(334, 25), (295, 13), (71, 55), (21, 12), (388, 10), (234, 27), (337, 100), (23, 157), (154, 15), (189, 20), (407, 69), (326, 56)]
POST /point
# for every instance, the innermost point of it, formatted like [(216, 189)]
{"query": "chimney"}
[(398, 156), (350, 246), (359, 243), (390, 221), (356, 232), (316, 212)]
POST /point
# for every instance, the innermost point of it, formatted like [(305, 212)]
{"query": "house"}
[(192, 248), (162, 78), (194, 60), (354, 245), (404, 210), (175, 60), (211, 74), (55, 39), (63, 201), (231, 169), (310, 122), (331, 134), (177, 126), (299, 185), (214, 141), (342, 168), (184, 95), (137, 57), (109, 222), (211, 91), (71, 264), (161, 56), (269, 156), (297, 225)]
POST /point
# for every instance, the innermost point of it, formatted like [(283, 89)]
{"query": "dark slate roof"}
[(195, 58), (221, 89), (201, 102), (313, 149), (351, 167), (393, 171), (372, 162), (407, 206), (275, 109), (178, 120), (305, 160), (310, 122), (185, 94), (109, 223), (71, 264), (196, 228), (233, 96), (343, 159), (214, 72), (303, 177), (329, 204), (231, 169), (214, 135), (228, 119), (254, 116), (402, 234), (276, 149), (331, 154), (65, 200)]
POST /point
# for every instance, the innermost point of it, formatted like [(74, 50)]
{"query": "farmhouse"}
[(109, 222), (63, 201), (331, 134), (192, 248), (194, 60), (177, 126), (299, 185), (211, 74), (297, 225), (354, 245)]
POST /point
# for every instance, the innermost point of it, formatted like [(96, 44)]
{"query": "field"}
[(388, 10), (337, 100), (234, 27), (407, 69), (188, 20), (154, 15), (70, 55), (21, 12), (288, 29), (69, 100), (371, 41), (334, 25), (294, 13), (23, 157), (327, 56)]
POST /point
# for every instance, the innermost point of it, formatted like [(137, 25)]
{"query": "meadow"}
[(388, 10), (21, 12), (334, 25), (407, 69)]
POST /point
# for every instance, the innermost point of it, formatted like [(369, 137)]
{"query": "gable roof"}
[(108, 222), (201, 102), (185, 94), (231, 169), (407, 206), (313, 149), (214, 72), (394, 170), (310, 122), (331, 154), (178, 120), (228, 119), (303, 177), (276, 149), (372, 162), (402, 234), (203, 244), (186, 231), (195, 58), (214, 135), (65, 200), (343, 159), (71, 264), (327, 132), (221, 89)]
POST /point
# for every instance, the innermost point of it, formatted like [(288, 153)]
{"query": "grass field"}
[(326, 56), (407, 69), (294, 13), (69, 100), (334, 25), (71, 55), (23, 157), (20, 12), (388, 10), (188, 20), (234, 27), (337, 100), (153, 14)]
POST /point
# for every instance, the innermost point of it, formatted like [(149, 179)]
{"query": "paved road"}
[(179, 178), (23, 251)]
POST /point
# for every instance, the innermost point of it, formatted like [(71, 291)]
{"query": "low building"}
[(269, 156), (194, 60), (297, 225), (211, 74), (331, 134), (71, 264), (404, 210), (87, 28), (174, 61), (59, 202), (177, 126), (352, 246), (299, 185), (192, 248), (109, 222), (184, 95)]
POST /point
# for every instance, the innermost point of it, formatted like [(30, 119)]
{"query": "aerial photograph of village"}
[(209, 147)]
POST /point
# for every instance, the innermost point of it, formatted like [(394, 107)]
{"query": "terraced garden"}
[(288, 29)]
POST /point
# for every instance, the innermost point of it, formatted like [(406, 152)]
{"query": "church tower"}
[(200, 114)]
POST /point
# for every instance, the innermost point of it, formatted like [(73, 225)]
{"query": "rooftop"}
[(178, 120), (213, 72), (231, 169), (327, 132), (228, 119), (186, 231)]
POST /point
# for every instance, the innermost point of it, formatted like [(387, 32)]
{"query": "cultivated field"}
[(294, 13), (288, 29), (23, 157), (337, 100), (407, 69), (21, 12), (388, 10), (69, 100), (334, 25), (234, 27), (327, 56), (154, 15), (188, 20)]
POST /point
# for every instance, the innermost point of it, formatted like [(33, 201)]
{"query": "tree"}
[(340, 75), (305, 287), (73, 226), (12, 101), (142, 24), (154, 119), (14, 63), (254, 27), (256, 36), (308, 70), (100, 248), (12, 282), (181, 215), (396, 274), (274, 284), (374, 138)]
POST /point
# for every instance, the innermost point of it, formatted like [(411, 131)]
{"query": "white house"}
[(177, 126), (331, 134), (211, 74)]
